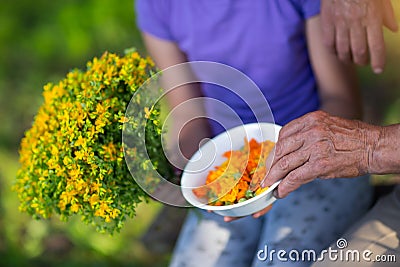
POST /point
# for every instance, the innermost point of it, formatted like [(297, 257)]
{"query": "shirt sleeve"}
[(152, 18), (310, 8)]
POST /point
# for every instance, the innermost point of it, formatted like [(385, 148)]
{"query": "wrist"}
[(384, 153), (373, 136)]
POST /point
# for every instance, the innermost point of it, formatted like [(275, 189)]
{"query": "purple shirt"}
[(265, 39)]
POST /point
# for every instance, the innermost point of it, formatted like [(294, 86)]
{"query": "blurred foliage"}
[(40, 41), (381, 94), (27, 242)]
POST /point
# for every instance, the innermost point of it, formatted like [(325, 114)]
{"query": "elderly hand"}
[(353, 29), (324, 146)]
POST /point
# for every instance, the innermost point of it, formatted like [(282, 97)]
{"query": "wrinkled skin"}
[(319, 145), (353, 29)]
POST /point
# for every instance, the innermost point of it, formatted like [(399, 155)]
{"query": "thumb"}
[(389, 17)]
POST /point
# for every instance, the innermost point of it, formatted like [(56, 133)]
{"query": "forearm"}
[(186, 121), (339, 89), (384, 155), (342, 107), (318, 145), (337, 81)]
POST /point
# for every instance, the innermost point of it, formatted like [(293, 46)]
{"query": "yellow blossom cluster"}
[(72, 160)]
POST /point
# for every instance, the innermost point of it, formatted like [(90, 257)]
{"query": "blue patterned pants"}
[(312, 217)]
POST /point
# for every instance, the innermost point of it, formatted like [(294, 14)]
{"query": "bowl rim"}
[(244, 203), (236, 205)]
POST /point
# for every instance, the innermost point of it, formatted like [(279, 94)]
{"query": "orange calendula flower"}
[(230, 182)]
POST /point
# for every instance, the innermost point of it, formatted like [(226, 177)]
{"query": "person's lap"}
[(378, 231), (309, 218), (312, 218)]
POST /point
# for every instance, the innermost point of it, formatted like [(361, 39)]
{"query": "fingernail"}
[(262, 184), (378, 70), (256, 216), (265, 182)]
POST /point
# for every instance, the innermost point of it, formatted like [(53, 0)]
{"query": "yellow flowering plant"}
[(72, 158)]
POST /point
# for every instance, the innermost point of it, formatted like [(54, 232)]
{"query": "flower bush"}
[(72, 158)]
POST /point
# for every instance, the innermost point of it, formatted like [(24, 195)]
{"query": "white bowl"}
[(210, 155)]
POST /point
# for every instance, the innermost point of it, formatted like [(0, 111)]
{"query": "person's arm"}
[(319, 145), (185, 131), (353, 29), (384, 157), (337, 81)]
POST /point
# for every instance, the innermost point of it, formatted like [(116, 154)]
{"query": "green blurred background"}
[(40, 41)]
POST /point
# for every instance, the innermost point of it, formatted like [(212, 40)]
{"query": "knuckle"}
[(321, 113), (360, 53), (319, 154), (339, 15), (284, 163), (317, 133), (319, 129), (325, 145), (304, 156), (317, 116)]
